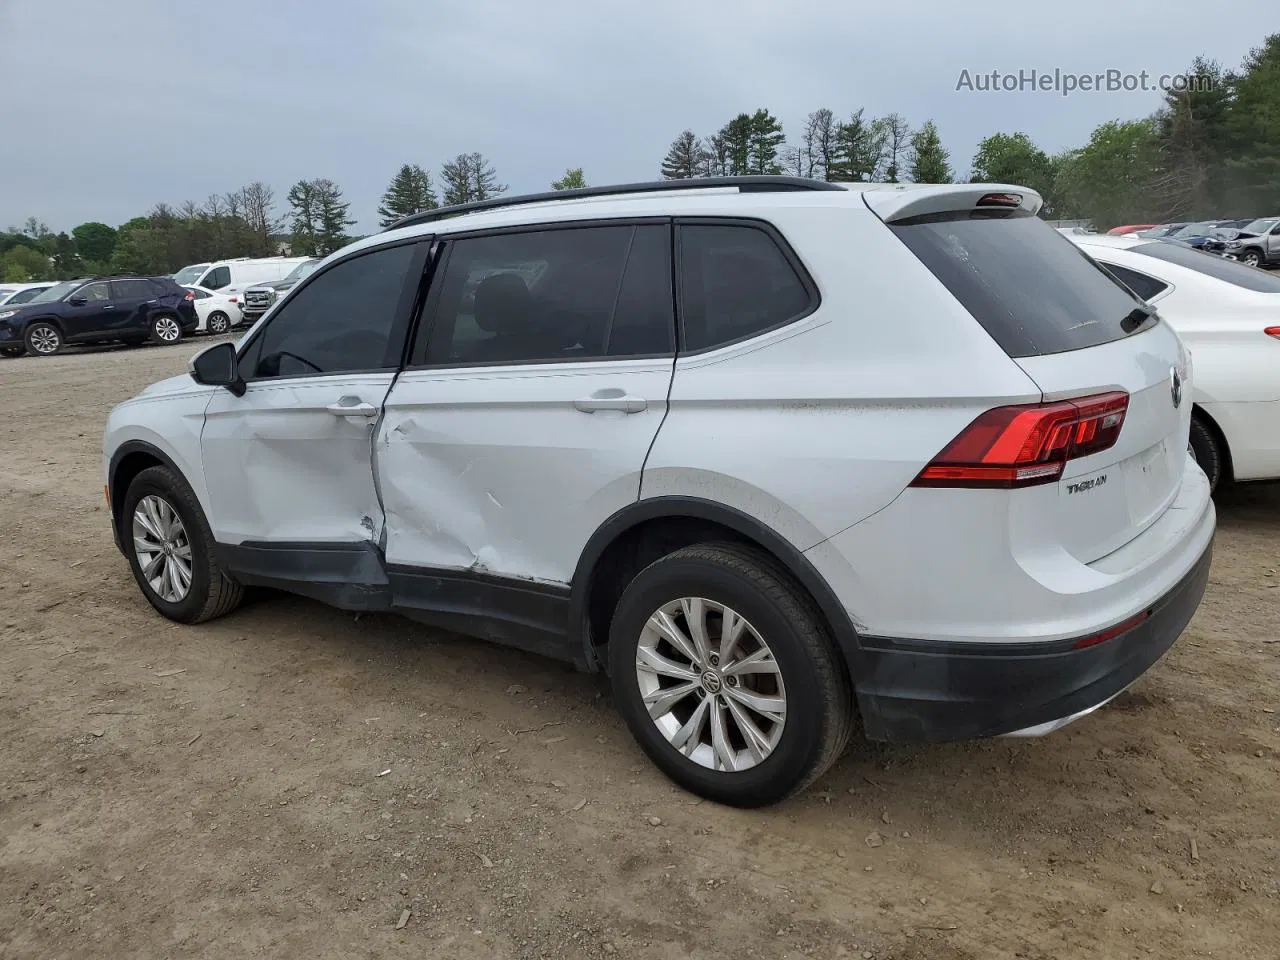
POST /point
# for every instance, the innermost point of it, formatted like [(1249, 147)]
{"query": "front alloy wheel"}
[(711, 684), (43, 339), (1251, 258), (173, 554), (162, 547)]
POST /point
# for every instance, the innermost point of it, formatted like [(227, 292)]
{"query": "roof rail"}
[(747, 184)]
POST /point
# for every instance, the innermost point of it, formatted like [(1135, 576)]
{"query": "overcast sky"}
[(111, 106)]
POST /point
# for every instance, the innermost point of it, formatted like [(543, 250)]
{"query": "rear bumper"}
[(916, 690)]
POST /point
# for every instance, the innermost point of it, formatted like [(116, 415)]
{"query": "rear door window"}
[(1031, 288), (132, 290)]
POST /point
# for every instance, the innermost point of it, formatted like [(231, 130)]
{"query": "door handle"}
[(109, 306), (340, 409), (610, 400)]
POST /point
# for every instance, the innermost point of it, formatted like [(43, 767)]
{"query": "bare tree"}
[(896, 133), (257, 207), (820, 144)]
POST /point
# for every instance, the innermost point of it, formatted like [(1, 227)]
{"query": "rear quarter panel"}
[(816, 426)]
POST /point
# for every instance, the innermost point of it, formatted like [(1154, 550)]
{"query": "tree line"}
[(1212, 150), (1208, 151)]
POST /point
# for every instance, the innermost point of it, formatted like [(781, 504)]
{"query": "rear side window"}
[(579, 293), (735, 282), (1030, 287), (133, 290), (1140, 283), (1220, 268)]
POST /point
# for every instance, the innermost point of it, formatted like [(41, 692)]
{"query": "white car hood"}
[(171, 386)]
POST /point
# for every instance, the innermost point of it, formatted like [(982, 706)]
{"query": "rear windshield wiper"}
[(1134, 320)]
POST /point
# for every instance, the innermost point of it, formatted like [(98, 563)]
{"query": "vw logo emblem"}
[(1175, 387)]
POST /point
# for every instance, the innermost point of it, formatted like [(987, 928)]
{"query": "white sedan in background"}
[(1228, 314), (218, 312)]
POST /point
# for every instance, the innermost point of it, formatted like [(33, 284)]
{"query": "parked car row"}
[(41, 318), (124, 309), (1255, 242)]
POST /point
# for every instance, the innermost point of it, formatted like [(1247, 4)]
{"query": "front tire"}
[(726, 676), (1208, 452), (1251, 258), (171, 549), (219, 323), (43, 339), (165, 329)]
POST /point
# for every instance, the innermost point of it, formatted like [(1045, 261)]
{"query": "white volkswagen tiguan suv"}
[(782, 457)]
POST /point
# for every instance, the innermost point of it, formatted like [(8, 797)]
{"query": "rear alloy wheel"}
[(1207, 451), (171, 549), (725, 675), (219, 323), (43, 340), (165, 329)]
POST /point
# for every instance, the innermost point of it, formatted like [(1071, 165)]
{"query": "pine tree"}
[(857, 150), (930, 162), (332, 218), (685, 159), (734, 144), (468, 178), (763, 142), (304, 218), (410, 192), (573, 179)]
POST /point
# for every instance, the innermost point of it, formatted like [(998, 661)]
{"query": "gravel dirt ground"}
[(289, 782)]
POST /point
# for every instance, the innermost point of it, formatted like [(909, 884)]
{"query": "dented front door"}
[(291, 460)]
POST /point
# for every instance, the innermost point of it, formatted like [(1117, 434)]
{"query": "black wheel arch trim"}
[(126, 449), (696, 508)]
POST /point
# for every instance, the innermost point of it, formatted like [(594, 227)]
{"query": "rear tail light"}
[(1272, 332), (189, 296), (1025, 445)]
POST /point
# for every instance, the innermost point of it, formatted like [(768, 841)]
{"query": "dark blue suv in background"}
[(98, 310)]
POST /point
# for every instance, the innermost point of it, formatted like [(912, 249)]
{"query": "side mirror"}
[(218, 366), (77, 301)]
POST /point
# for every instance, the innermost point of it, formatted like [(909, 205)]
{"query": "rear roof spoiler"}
[(898, 201)]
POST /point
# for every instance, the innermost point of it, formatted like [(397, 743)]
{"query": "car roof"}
[(726, 197)]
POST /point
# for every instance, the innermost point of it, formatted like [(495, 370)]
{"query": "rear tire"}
[(43, 339), (165, 329), (207, 591), (805, 682), (1208, 452), (219, 323)]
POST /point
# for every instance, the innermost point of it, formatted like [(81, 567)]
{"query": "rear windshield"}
[(1232, 271), (1030, 287)]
